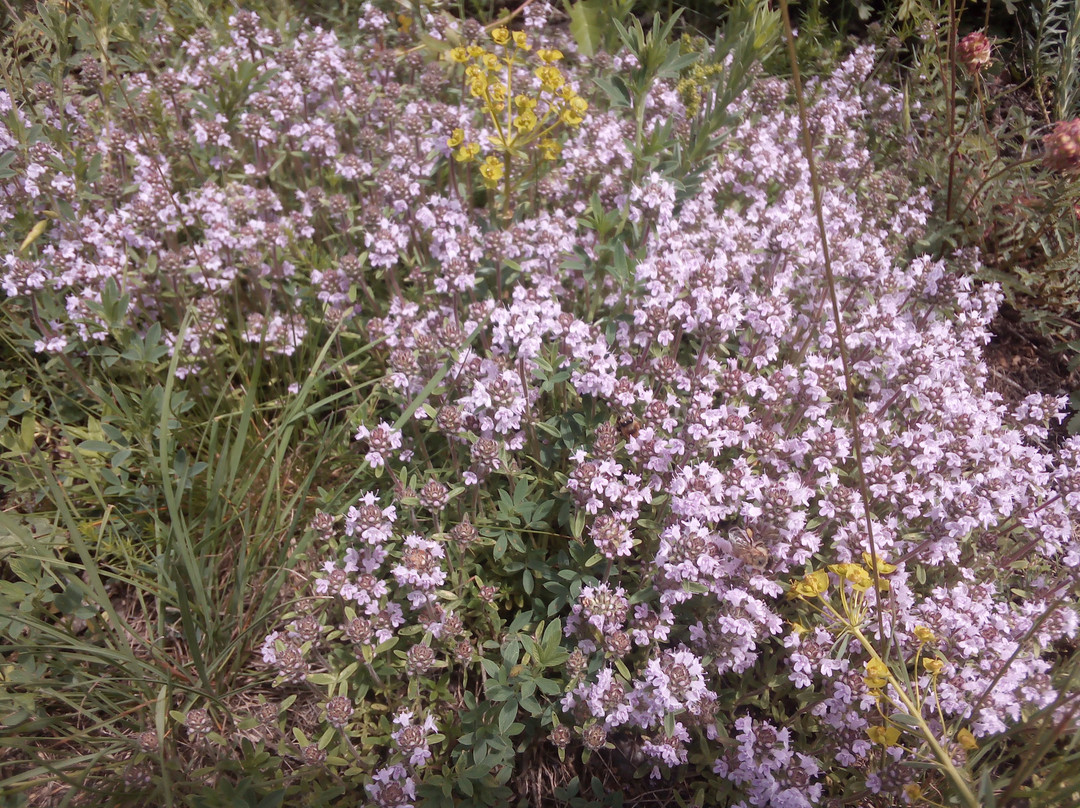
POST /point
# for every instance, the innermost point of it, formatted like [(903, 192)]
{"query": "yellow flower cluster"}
[(521, 119), (690, 87), (860, 576)]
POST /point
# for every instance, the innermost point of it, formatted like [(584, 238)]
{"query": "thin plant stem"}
[(853, 414), (950, 108), (967, 796)]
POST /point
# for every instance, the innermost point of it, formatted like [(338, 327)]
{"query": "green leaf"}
[(585, 25), (905, 720), (550, 687), (511, 651), (507, 715), (577, 524), (272, 800), (552, 636), (615, 89)]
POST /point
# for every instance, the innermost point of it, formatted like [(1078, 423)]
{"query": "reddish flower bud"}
[(1063, 147), (973, 52)]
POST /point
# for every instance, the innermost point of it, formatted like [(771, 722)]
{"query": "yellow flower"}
[(551, 78), (819, 580), (883, 567), (886, 736), (549, 149), (924, 634), (913, 793), (459, 55), (524, 102), (457, 137), (474, 51), (933, 665), (521, 41), (491, 61), (526, 121), (492, 169), (967, 740), (500, 35), (467, 152), (859, 578), (477, 87), (549, 55), (574, 112), (877, 675)]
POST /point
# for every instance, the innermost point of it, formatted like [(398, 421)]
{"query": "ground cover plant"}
[(991, 100), (436, 413)]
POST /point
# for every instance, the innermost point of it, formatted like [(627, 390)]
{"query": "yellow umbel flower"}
[(967, 740), (550, 148), (858, 577), (457, 137), (574, 113), (492, 169), (551, 78), (459, 55), (877, 675), (883, 567), (933, 666), (478, 86), (467, 152), (526, 121), (521, 41), (500, 35), (549, 55), (886, 736), (813, 584), (924, 634)]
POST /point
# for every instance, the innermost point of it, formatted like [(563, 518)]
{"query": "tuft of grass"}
[(152, 562)]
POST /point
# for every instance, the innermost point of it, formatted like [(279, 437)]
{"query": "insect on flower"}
[(628, 425), (748, 550)]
